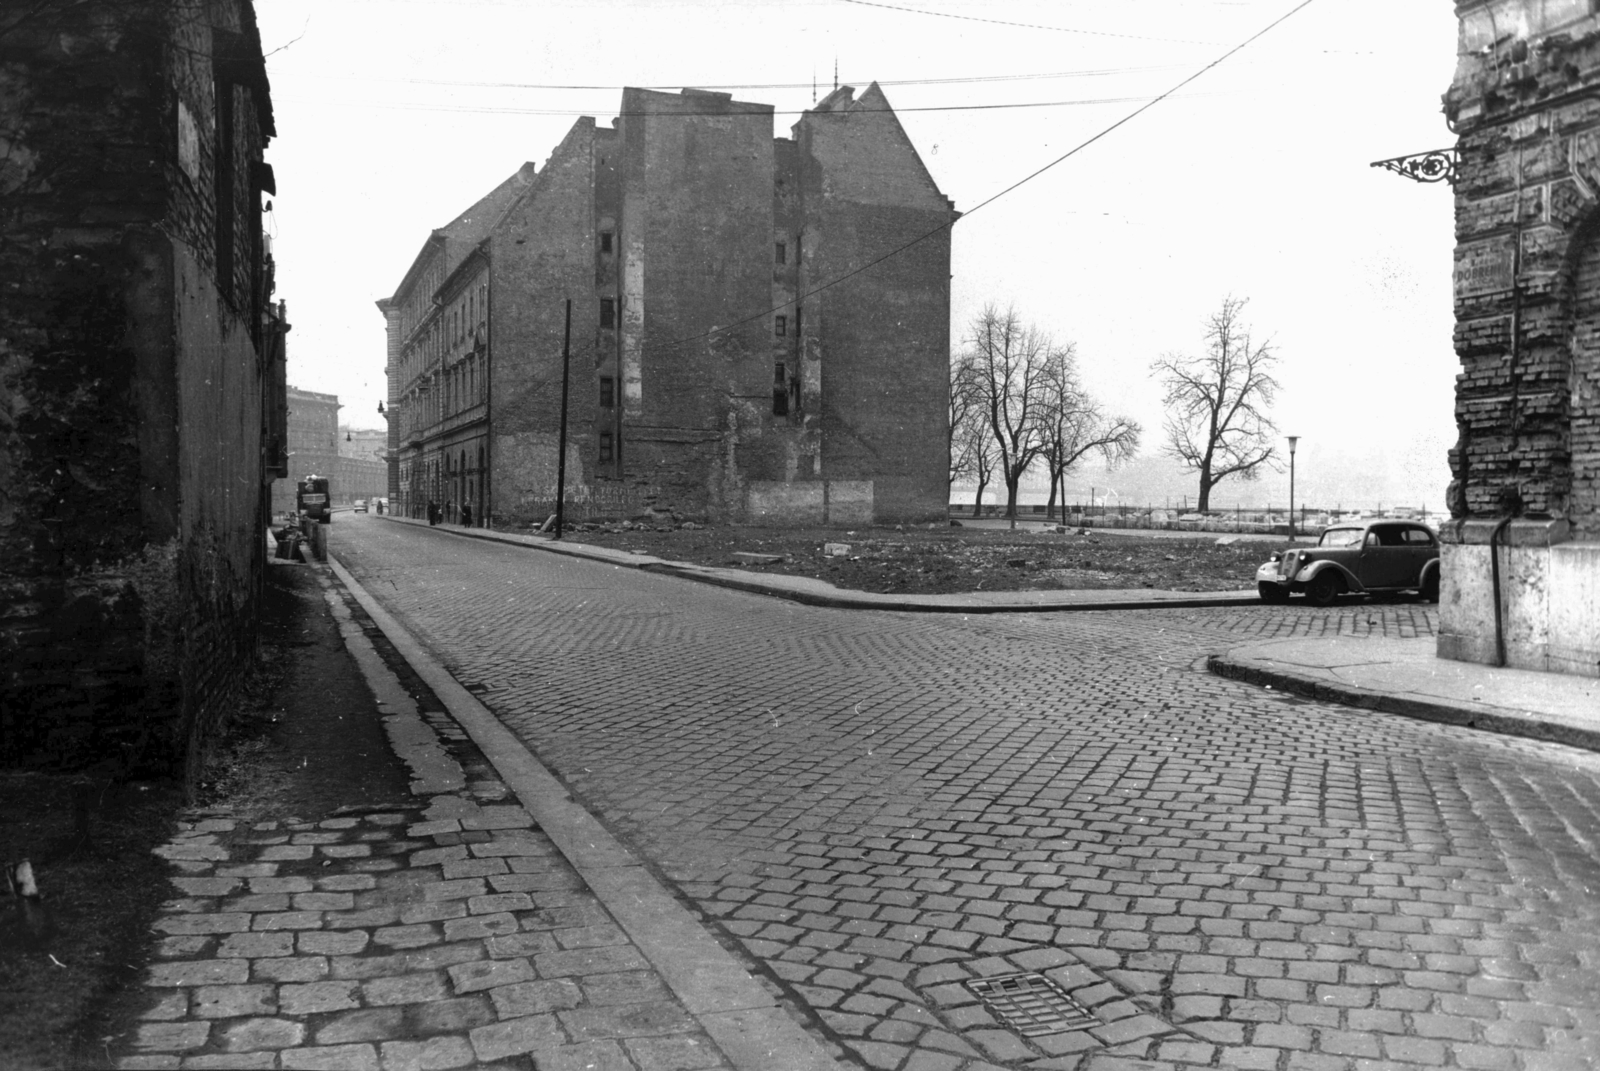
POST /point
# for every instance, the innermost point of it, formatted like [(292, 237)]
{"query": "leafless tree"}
[(1011, 360), (1074, 425), (972, 452), (1217, 422)]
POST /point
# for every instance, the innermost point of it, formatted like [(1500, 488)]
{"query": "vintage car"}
[(360, 506), (1372, 556)]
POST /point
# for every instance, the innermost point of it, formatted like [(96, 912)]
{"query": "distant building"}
[(363, 462), (141, 376), (759, 327), (313, 427), (1521, 561)]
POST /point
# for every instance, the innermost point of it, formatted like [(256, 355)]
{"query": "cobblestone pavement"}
[(448, 934), (887, 812)]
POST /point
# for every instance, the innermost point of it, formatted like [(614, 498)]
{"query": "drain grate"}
[(1032, 1004)]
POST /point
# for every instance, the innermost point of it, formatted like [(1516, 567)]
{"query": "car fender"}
[(1430, 566), (1311, 572)]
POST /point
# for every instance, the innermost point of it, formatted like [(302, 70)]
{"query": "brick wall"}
[(131, 452)]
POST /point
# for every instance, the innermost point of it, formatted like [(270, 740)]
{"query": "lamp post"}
[(1293, 440)]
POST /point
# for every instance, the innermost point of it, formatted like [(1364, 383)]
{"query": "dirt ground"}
[(944, 560)]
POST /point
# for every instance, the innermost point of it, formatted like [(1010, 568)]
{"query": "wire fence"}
[(1265, 519)]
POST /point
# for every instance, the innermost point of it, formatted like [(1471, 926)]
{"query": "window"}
[(608, 392), (780, 389), (608, 312), (605, 241), (780, 326), (606, 452), (780, 253)]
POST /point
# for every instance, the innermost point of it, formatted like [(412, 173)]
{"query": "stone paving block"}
[(454, 1015), (487, 974), (415, 936), (675, 1053), (434, 1054), (171, 1037), (312, 997), (480, 926), (214, 922), (624, 987), (300, 968), (626, 1020), (232, 1001), (505, 946), (149, 1062), (331, 1058), (231, 1061), (199, 972), (434, 911), (331, 942), (289, 884), (404, 989), (249, 1035), (514, 1036), (365, 1024), (173, 947), (522, 999)]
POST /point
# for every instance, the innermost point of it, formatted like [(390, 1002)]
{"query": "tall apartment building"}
[(1521, 556), (141, 375), (759, 325)]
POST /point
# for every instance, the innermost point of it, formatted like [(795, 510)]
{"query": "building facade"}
[(141, 376), (759, 326), (1521, 561)]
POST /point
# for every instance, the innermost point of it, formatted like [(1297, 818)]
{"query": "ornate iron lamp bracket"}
[(1436, 165)]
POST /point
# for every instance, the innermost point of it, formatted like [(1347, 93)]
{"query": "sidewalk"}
[(1405, 676), (477, 918), (1395, 676)]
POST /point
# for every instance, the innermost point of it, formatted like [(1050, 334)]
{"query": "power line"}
[(1015, 185), (761, 111), (1024, 25)]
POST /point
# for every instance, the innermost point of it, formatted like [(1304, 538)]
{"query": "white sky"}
[(395, 115)]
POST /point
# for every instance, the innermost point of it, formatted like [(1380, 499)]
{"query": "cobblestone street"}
[(882, 811)]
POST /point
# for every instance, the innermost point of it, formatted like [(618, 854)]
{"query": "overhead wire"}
[(1015, 185), (1025, 25)]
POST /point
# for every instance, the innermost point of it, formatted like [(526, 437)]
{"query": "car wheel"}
[(1430, 587), (1272, 593), (1324, 588)]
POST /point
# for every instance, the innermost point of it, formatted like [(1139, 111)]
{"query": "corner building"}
[(760, 326), (1521, 556)]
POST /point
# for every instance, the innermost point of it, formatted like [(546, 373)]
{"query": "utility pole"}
[(561, 460)]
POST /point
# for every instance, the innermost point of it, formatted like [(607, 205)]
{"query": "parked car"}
[(361, 505), (1372, 556)]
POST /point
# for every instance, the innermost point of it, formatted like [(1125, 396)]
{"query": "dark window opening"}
[(780, 389), (605, 241), (780, 326), (780, 254), (605, 447), (608, 392), (608, 312)]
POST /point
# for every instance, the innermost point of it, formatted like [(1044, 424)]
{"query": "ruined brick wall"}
[(1528, 189), (130, 433), (1525, 104), (884, 334), (541, 254)]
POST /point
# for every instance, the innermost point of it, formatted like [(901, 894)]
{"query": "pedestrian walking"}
[(433, 512), (466, 514)]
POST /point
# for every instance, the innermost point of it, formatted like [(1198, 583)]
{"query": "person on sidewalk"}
[(466, 514), (433, 512)]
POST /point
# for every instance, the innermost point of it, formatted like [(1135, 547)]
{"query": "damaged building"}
[(759, 325), (141, 376), (1521, 555)]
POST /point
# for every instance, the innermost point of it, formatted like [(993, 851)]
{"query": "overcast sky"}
[(1253, 180)]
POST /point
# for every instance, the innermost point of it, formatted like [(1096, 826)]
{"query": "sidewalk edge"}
[(1484, 719), (845, 600), (741, 1016)]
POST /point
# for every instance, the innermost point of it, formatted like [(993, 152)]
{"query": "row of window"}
[(780, 250)]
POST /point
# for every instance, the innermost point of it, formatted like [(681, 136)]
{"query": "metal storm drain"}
[(1031, 1004)]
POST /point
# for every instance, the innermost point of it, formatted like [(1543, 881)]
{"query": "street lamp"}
[(1293, 439)]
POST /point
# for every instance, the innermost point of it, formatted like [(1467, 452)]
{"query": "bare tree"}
[(1011, 359), (1217, 422), (1074, 425), (972, 452)]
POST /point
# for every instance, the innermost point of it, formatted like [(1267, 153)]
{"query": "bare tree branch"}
[(1217, 422)]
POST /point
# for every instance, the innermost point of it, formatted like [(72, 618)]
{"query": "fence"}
[(1266, 520), (597, 502)]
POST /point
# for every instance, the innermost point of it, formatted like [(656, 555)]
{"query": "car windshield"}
[(1340, 537)]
